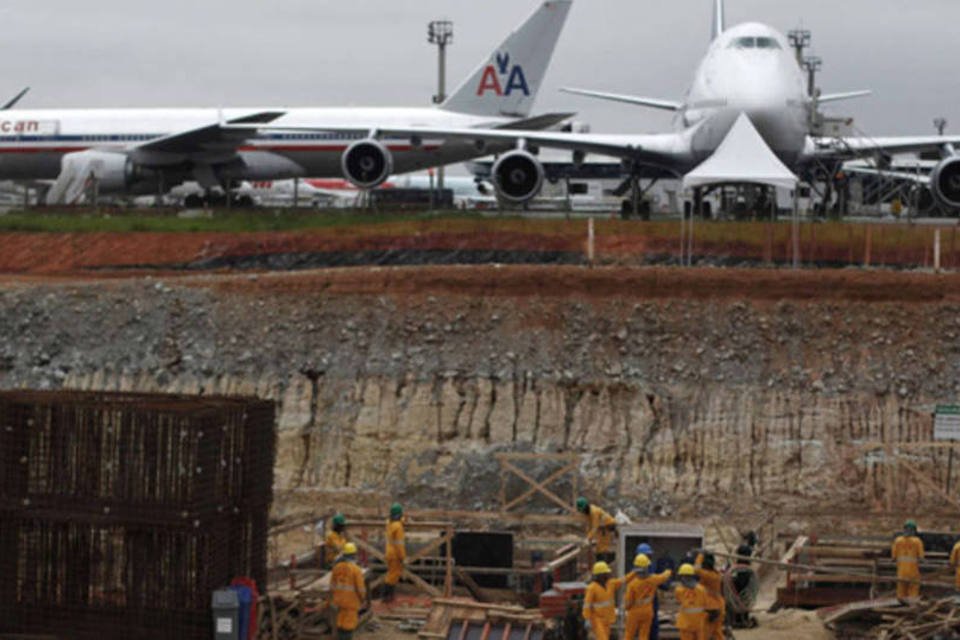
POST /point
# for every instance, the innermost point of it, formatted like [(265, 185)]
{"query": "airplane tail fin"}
[(507, 83), (719, 20)]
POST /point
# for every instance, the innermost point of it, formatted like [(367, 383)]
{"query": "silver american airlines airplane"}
[(152, 150), (749, 75)]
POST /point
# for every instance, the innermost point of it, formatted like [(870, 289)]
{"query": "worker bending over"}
[(907, 552), (712, 582), (600, 601), (955, 563), (396, 552), (638, 602), (335, 540), (349, 591), (745, 587), (692, 615), (600, 529)]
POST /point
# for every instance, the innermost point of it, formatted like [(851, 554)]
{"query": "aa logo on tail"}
[(503, 79)]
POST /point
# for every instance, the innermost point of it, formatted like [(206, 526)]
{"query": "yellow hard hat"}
[(641, 561), (687, 570), (601, 568), (349, 549)]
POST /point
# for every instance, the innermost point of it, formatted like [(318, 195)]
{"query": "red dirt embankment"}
[(624, 243), (69, 253)]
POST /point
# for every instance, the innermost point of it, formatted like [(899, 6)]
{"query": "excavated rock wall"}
[(670, 402)]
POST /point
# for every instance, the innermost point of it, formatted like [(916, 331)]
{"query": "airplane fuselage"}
[(33, 142), (748, 69)]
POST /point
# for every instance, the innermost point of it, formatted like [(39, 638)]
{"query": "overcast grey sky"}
[(373, 52)]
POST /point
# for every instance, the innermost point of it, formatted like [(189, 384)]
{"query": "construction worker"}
[(692, 615), (641, 594), (745, 587), (600, 529), (335, 539), (663, 564), (907, 551), (712, 583), (955, 563), (396, 552), (349, 591), (600, 601)]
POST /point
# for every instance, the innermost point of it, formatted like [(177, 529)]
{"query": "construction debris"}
[(823, 572), (460, 618), (892, 619)]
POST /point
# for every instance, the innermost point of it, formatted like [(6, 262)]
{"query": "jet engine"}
[(367, 164), (518, 176), (112, 173), (945, 182), (115, 172)]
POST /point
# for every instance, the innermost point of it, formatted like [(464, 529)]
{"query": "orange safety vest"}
[(396, 547), (599, 521), (693, 608), (347, 586), (908, 552), (333, 545), (600, 602), (712, 583), (642, 591)]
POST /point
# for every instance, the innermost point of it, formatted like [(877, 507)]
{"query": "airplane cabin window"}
[(755, 43)]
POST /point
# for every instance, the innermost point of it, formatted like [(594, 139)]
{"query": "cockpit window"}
[(754, 43)]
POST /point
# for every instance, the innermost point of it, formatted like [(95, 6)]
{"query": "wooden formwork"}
[(836, 570), (120, 514)]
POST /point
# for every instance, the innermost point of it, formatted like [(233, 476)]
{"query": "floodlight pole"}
[(812, 64), (941, 125), (799, 40), (440, 33)]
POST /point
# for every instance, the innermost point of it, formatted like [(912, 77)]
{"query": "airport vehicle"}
[(133, 151), (338, 192), (746, 118)]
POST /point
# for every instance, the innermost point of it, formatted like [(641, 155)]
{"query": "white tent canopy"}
[(742, 157)]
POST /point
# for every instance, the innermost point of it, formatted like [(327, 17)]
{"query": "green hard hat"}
[(396, 509), (582, 504), (339, 520), (910, 524)]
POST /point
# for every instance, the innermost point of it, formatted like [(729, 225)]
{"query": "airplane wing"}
[(840, 148), (538, 123), (837, 97), (214, 137), (667, 149), (653, 103), (79, 170), (13, 101)]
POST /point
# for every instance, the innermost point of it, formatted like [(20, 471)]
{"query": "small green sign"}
[(946, 423)]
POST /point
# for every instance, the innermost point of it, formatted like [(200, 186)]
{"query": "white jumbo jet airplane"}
[(152, 150), (749, 83)]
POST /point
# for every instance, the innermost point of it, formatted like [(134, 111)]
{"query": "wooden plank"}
[(448, 583), (930, 484), (520, 457), (412, 525), (467, 581), (509, 466), (541, 487)]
